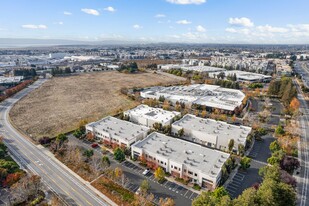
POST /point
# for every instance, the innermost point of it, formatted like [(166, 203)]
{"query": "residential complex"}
[(182, 159), (147, 116), (211, 96), (210, 132), (116, 132)]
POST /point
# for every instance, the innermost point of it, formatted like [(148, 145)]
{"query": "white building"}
[(210, 132), (211, 96), (243, 76), (182, 159), (147, 116), (117, 132)]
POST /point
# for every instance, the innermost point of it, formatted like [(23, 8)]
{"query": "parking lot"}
[(234, 187), (180, 194)]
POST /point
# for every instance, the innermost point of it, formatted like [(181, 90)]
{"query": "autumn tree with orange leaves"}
[(294, 105)]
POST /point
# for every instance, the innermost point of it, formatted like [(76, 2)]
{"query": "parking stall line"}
[(233, 186), (188, 194)]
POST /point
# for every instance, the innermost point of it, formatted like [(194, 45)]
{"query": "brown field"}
[(60, 104)]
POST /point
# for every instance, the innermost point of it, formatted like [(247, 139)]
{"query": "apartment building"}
[(183, 159), (115, 132), (211, 133), (147, 116)]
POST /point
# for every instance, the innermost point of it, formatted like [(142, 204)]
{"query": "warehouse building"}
[(211, 133), (211, 96), (116, 132), (147, 116), (183, 159)]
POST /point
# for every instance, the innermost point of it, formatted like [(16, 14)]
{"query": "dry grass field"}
[(59, 104)]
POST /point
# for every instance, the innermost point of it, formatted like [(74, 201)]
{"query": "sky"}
[(187, 21)]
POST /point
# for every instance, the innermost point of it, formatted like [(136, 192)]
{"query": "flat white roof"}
[(118, 129), (202, 94), (202, 68), (212, 128), (207, 161), (250, 76), (151, 113)]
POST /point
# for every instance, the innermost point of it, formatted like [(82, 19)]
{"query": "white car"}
[(146, 171)]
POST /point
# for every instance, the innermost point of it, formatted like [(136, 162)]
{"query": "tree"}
[(289, 164), (231, 145), (241, 149), (219, 197), (294, 105), (106, 160), (145, 186), (166, 105), (119, 155), (180, 132), (88, 153), (167, 202), (279, 130), (274, 146), (276, 157), (204, 113), (276, 193), (247, 198), (245, 162), (61, 138), (159, 174)]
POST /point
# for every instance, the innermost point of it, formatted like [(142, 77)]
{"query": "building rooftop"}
[(208, 161), (202, 94), (202, 68), (155, 114), (243, 75), (213, 129), (116, 128)]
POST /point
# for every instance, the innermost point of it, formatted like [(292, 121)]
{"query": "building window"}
[(161, 162), (171, 166), (195, 174), (185, 170), (190, 172), (175, 168)]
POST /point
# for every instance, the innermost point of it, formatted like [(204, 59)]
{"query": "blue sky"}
[(198, 21)]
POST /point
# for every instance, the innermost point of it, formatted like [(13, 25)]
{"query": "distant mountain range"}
[(20, 42)]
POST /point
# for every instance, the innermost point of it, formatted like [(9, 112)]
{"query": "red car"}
[(95, 145)]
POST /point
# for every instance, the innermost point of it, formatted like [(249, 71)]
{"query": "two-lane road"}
[(55, 175)]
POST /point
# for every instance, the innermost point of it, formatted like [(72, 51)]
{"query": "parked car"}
[(146, 171), (138, 191), (94, 145)]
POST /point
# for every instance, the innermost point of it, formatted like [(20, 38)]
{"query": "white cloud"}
[(186, 1), (67, 13), (110, 9), (136, 26), (200, 28), (33, 26), (91, 12), (243, 21), (231, 30), (160, 16), (183, 22), (59, 23), (270, 29)]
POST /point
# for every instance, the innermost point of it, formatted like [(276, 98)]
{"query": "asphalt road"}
[(71, 189), (303, 180)]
